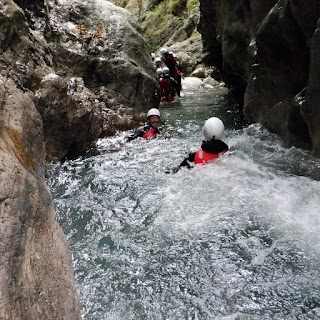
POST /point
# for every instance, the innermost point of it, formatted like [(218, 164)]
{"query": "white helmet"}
[(166, 70), (163, 50), (153, 112), (153, 55), (158, 59), (159, 71), (213, 129)]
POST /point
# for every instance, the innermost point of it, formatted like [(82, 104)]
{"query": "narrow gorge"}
[(74, 71)]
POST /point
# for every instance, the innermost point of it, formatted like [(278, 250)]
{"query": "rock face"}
[(171, 24), (66, 68), (264, 50), (73, 115), (36, 277), (164, 21), (86, 60), (101, 46), (310, 110)]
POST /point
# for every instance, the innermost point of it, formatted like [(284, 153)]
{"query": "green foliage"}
[(160, 23), (178, 7), (192, 5), (121, 3)]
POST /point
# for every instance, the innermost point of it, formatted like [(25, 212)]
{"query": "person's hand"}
[(172, 170)]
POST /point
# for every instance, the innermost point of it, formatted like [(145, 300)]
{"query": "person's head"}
[(166, 71), (213, 129), (172, 56), (163, 51), (153, 56), (153, 117), (159, 72), (158, 62)]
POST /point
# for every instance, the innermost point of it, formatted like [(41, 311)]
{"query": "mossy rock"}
[(168, 16), (160, 19)]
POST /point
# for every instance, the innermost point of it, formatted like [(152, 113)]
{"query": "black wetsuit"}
[(212, 146), (139, 132), (175, 72)]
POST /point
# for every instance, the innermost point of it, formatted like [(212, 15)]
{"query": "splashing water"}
[(238, 239)]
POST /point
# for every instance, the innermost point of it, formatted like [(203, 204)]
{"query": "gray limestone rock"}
[(36, 276)]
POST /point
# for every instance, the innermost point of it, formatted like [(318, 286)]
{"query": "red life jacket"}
[(202, 157), (165, 86), (168, 98), (150, 134)]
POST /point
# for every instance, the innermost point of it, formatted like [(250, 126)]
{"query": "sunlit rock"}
[(102, 44), (36, 277), (199, 72), (210, 82)]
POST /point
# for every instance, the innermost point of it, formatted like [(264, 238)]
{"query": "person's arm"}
[(185, 163), (139, 132), (225, 146), (187, 160)]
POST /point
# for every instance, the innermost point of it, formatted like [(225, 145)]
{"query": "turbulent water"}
[(237, 239)]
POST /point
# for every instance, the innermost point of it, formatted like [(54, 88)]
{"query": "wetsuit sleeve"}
[(186, 162), (190, 158), (139, 132), (224, 146)]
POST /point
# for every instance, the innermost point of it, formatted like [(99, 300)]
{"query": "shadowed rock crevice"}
[(267, 61)]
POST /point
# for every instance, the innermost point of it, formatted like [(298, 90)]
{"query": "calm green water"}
[(239, 239)]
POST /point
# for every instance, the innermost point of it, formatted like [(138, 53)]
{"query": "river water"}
[(237, 239)]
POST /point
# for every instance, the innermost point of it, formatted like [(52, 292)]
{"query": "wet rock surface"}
[(265, 54), (99, 44), (66, 69), (36, 278)]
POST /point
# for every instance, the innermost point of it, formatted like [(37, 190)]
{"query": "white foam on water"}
[(239, 189), (237, 237), (191, 83)]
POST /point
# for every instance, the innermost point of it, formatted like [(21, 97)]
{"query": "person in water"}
[(167, 86), (170, 61), (151, 129), (158, 63), (211, 148), (159, 73)]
